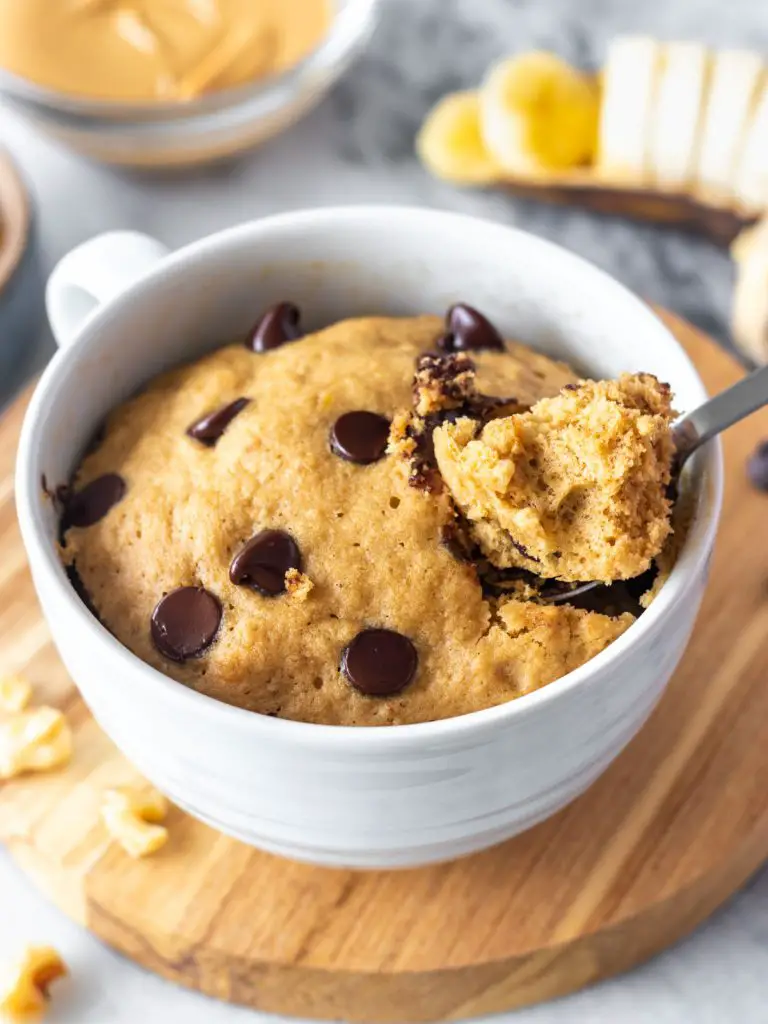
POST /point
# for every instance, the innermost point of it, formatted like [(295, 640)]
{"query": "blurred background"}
[(358, 146)]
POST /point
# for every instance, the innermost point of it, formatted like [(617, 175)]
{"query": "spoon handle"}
[(697, 427)]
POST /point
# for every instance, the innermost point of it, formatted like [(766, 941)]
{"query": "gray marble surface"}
[(357, 147)]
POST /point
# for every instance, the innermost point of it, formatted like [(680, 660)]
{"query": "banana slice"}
[(752, 173), (538, 114), (733, 90), (450, 144), (629, 84), (750, 299), (678, 107)]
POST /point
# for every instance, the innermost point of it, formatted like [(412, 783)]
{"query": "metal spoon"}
[(692, 431)]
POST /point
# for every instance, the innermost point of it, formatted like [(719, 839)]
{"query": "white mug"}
[(122, 310)]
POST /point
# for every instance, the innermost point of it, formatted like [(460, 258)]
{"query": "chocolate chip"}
[(279, 324), (360, 437), (468, 330), (185, 623), (209, 428), (757, 467), (88, 506), (379, 662), (264, 561)]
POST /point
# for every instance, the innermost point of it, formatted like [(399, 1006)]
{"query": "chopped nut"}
[(34, 741), (298, 585), (131, 815), (24, 994), (15, 692)]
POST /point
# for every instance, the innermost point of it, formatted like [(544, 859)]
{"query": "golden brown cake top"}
[(267, 525)]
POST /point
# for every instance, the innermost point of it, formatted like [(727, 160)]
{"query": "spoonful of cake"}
[(580, 487)]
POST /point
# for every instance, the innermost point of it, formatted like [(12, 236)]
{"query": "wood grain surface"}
[(674, 827), (720, 223)]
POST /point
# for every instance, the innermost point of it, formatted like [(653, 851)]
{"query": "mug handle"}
[(92, 274)]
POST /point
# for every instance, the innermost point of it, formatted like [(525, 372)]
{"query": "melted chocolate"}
[(379, 662), (264, 561), (185, 623)]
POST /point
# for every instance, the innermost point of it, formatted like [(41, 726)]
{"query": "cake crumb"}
[(442, 382), (298, 585), (574, 489), (444, 391)]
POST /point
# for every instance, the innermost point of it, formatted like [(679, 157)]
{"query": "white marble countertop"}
[(357, 147)]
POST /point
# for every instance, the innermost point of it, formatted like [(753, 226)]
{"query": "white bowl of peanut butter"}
[(173, 82)]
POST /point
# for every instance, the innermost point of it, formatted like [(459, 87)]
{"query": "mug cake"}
[(382, 522)]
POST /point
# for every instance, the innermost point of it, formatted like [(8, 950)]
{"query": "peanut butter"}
[(129, 50)]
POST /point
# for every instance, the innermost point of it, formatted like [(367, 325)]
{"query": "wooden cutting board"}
[(674, 827)]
